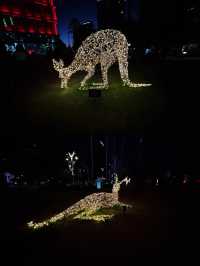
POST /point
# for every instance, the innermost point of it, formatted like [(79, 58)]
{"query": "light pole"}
[(71, 159), (106, 155), (105, 146), (92, 157)]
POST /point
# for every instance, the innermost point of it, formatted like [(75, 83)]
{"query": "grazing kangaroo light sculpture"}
[(104, 47), (86, 207)]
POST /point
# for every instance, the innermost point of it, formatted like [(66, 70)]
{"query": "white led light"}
[(104, 47), (86, 207)]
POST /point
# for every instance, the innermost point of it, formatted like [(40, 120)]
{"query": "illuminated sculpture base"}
[(104, 47), (96, 86), (89, 208), (101, 86)]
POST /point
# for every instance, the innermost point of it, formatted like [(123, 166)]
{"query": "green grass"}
[(118, 109)]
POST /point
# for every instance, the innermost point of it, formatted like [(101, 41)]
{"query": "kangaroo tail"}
[(58, 217)]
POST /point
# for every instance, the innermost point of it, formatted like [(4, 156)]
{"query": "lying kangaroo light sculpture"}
[(104, 47), (86, 207)]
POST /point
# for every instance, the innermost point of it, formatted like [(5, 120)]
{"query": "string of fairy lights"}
[(105, 47), (85, 208)]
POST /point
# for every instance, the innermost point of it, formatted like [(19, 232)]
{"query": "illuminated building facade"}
[(29, 22), (112, 14)]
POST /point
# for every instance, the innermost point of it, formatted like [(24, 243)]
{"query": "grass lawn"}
[(33, 104), (41, 105), (118, 109)]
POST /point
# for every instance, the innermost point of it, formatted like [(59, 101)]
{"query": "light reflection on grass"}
[(100, 215)]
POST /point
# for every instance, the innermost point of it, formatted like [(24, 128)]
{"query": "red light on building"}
[(42, 2), (8, 28), (4, 9), (32, 23), (49, 32), (55, 29), (37, 17), (29, 15), (31, 29), (51, 2), (40, 13), (21, 28), (48, 18), (16, 12), (54, 13), (42, 30)]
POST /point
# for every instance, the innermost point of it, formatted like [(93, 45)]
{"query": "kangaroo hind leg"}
[(104, 71), (123, 69)]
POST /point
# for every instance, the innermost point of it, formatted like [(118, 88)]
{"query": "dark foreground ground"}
[(162, 226)]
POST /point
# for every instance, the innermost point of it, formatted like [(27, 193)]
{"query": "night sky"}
[(68, 9), (82, 10)]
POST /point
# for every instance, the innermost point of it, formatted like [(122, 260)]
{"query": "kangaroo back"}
[(102, 43)]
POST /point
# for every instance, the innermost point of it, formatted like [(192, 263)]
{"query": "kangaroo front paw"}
[(128, 83), (64, 86), (82, 88), (105, 85)]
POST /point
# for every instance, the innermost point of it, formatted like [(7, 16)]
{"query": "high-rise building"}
[(80, 31), (112, 14), (192, 20), (161, 19), (30, 22)]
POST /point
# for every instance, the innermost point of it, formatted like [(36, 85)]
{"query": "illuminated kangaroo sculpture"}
[(88, 206), (104, 47)]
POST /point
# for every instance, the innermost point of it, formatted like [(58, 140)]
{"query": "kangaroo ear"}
[(128, 180), (54, 61), (61, 62)]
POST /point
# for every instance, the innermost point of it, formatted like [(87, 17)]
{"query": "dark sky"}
[(68, 9), (81, 9)]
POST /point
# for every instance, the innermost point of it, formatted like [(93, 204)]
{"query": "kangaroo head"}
[(59, 66), (117, 184), (64, 72)]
